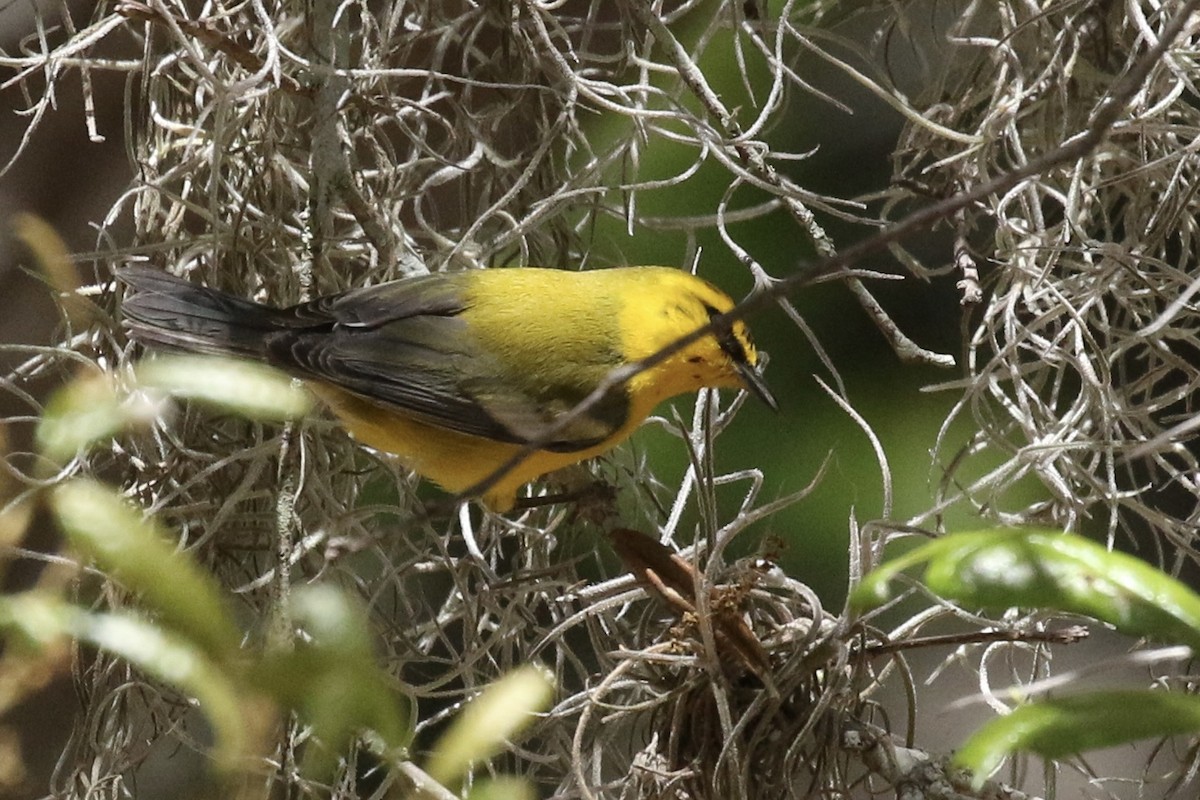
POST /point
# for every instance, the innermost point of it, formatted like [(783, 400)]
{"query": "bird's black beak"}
[(755, 383)]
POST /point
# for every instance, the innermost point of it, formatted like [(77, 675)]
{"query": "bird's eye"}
[(725, 338)]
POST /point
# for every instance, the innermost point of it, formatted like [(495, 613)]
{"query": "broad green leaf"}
[(182, 663), (35, 645), (351, 692), (39, 619), (332, 620), (1065, 726), (504, 788), (15, 512), (34, 620), (1035, 568), (875, 589), (86, 410), (137, 552), (252, 390), (329, 675), (504, 709), (56, 264)]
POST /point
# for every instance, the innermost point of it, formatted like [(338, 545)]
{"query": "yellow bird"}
[(456, 372)]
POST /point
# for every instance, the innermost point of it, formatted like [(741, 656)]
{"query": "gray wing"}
[(407, 346)]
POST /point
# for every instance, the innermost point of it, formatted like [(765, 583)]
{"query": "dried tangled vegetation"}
[(280, 156)]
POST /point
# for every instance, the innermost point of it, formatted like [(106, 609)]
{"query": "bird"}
[(456, 373)]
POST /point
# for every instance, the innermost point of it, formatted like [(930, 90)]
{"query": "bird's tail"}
[(169, 312)]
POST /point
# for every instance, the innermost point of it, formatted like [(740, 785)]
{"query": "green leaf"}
[(252, 390), (339, 636), (15, 512), (54, 259), (333, 621), (875, 588), (93, 407), (35, 644), (331, 678), (179, 661), (137, 552), (1035, 568), (1065, 726), (503, 788), (34, 620), (504, 709), (39, 619), (86, 410)]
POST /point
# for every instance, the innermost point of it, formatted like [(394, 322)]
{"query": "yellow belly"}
[(455, 461)]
